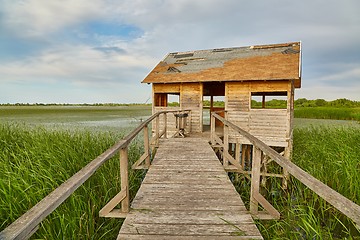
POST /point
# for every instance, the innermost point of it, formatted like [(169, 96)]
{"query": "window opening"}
[(173, 100), (268, 100)]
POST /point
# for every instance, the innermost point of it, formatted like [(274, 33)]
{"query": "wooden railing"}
[(341, 203), (28, 223)]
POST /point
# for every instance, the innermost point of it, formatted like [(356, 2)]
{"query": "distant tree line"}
[(273, 103), (341, 102), (303, 102), (215, 103)]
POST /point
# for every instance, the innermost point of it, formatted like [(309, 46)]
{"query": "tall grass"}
[(332, 156), (328, 113), (35, 161)]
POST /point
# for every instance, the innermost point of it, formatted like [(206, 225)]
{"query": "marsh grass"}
[(331, 155), (34, 161), (338, 113)]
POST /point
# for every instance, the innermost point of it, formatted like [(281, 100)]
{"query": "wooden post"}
[(243, 152), (290, 119), (165, 125), (124, 176), (157, 133), (237, 151), (212, 129), (147, 145), (211, 107), (255, 180), (263, 101), (189, 121), (237, 156), (248, 153), (226, 143)]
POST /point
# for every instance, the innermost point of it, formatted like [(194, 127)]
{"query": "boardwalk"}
[(186, 194)]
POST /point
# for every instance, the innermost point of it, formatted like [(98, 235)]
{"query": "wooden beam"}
[(165, 125), (255, 180), (112, 203), (124, 177), (230, 159), (212, 130), (226, 144), (267, 206), (243, 150), (147, 145), (157, 131), (237, 151), (138, 164)]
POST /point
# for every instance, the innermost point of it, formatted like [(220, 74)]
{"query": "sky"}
[(99, 51)]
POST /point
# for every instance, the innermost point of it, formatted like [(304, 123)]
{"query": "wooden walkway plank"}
[(186, 194), (191, 230)]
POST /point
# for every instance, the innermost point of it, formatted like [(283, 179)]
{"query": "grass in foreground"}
[(332, 156), (35, 161)]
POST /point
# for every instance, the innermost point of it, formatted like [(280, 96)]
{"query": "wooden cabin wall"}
[(170, 120), (165, 89), (237, 103), (273, 126), (191, 99)]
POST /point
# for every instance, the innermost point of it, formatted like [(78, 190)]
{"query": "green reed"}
[(34, 161), (337, 113), (331, 154)]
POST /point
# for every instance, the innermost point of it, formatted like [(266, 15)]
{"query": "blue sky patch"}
[(112, 29)]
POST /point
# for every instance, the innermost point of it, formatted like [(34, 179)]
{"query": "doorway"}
[(213, 101)]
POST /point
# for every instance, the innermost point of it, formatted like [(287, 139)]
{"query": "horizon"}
[(148, 103)]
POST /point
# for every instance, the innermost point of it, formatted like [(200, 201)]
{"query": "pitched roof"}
[(263, 62)]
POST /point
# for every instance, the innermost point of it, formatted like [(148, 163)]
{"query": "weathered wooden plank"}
[(276, 113), (187, 190), (187, 217), (244, 229), (203, 156), (187, 167), (183, 161), (196, 206), (178, 187), (183, 237), (166, 88), (190, 195), (194, 180), (185, 201)]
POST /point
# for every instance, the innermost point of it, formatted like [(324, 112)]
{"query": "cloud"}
[(86, 44), (37, 18), (77, 64), (349, 77)]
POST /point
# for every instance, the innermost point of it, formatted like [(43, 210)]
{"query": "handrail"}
[(27, 224), (341, 203)]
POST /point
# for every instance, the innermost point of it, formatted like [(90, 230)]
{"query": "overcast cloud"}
[(76, 51)]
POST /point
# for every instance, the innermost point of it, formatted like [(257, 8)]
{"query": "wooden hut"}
[(239, 75)]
